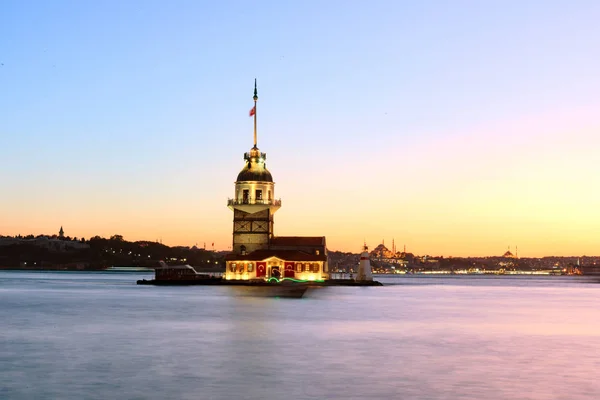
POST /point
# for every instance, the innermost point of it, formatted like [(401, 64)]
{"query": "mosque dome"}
[(508, 254)]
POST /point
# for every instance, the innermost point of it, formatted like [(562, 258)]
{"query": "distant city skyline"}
[(456, 129)]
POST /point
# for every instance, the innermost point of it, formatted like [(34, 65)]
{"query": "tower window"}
[(243, 250), (258, 194), (246, 196), (269, 195)]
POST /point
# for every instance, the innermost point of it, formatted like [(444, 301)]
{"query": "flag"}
[(261, 268), (289, 270), (253, 111)]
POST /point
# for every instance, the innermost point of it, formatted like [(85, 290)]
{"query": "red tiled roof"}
[(298, 241), (286, 255)]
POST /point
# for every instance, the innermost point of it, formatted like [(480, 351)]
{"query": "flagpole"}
[(255, 100)]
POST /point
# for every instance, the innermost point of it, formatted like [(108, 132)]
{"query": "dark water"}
[(100, 336)]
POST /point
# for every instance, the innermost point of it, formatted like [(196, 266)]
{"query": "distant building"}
[(256, 252), (61, 233), (383, 254), (508, 254)]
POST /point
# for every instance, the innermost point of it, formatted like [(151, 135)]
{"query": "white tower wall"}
[(364, 267)]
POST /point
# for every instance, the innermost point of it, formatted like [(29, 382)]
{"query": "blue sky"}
[(132, 117)]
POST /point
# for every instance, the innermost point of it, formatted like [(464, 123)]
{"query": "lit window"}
[(298, 267), (232, 267), (317, 252), (315, 267), (250, 267)]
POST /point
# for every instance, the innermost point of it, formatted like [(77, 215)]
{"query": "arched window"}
[(243, 250)]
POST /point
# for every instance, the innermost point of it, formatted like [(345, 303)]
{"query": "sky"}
[(455, 128)]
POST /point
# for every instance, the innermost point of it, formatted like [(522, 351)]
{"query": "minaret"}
[(254, 200), (61, 233)]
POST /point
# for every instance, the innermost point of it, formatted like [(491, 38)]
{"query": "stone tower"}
[(254, 201)]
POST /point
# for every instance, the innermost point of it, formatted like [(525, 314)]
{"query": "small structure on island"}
[(256, 252), (364, 266)]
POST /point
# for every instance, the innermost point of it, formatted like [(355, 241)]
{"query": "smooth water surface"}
[(66, 335)]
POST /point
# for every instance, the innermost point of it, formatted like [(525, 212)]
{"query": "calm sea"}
[(100, 336)]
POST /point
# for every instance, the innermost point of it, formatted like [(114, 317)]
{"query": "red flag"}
[(253, 111), (261, 269), (289, 270)]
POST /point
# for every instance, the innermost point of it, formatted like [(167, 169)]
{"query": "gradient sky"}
[(455, 127)]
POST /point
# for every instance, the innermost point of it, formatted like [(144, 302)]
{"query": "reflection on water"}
[(100, 336)]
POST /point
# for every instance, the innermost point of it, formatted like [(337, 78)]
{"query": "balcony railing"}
[(250, 201)]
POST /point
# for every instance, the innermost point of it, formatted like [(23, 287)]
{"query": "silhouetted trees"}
[(103, 253)]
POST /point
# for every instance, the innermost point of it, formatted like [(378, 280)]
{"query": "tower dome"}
[(255, 169)]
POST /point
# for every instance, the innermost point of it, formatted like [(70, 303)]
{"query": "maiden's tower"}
[(257, 253)]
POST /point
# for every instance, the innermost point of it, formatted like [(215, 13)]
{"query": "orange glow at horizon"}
[(469, 194)]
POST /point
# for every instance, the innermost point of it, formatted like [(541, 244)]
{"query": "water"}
[(100, 336)]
